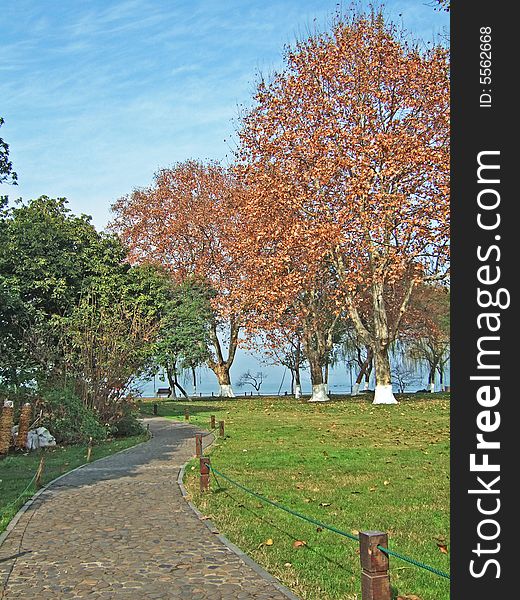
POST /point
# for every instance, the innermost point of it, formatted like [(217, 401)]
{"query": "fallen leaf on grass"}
[(268, 542), (443, 548), (299, 544)]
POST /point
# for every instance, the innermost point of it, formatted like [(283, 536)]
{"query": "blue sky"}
[(99, 94)]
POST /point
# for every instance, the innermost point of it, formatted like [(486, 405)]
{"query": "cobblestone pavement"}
[(119, 528)]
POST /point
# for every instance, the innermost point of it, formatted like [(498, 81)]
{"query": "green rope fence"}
[(14, 503), (325, 525), (412, 561)]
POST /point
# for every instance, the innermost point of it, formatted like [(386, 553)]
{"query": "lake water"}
[(277, 380)]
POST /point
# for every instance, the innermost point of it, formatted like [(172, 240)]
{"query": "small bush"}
[(67, 419), (127, 424)]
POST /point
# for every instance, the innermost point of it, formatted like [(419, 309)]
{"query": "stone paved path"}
[(119, 528)]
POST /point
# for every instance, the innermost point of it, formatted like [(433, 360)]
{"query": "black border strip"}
[(479, 126)]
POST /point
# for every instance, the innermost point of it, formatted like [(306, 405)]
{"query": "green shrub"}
[(127, 424), (67, 419)]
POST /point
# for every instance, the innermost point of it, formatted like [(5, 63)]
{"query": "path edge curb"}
[(233, 547), (25, 507)]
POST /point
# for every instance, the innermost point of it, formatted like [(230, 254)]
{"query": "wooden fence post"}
[(212, 424), (204, 473), (221, 430), (375, 580), (89, 449), (6, 425), (39, 472), (155, 409), (186, 414), (198, 444)]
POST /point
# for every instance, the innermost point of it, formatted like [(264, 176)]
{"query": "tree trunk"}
[(179, 386), (326, 377), (368, 373), (431, 378), (297, 383), (384, 394), (224, 380), (171, 382), (194, 380), (319, 388), (217, 364), (366, 369)]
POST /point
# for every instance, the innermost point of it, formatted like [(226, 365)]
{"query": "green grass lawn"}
[(17, 469), (347, 463)]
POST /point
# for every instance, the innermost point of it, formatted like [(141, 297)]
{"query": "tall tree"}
[(283, 346), (7, 174), (426, 334), (350, 145), (106, 341), (184, 222), (183, 337), (287, 294), (48, 257)]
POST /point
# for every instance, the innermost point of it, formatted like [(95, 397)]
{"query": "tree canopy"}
[(345, 155), (7, 174)]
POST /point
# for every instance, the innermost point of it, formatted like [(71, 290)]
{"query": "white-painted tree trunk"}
[(298, 391), (226, 391), (384, 395), (319, 393), (355, 389), (432, 387)]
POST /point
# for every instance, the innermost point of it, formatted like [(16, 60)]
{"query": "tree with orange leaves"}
[(345, 154), (182, 222), (426, 331), (283, 347), (287, 292)]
